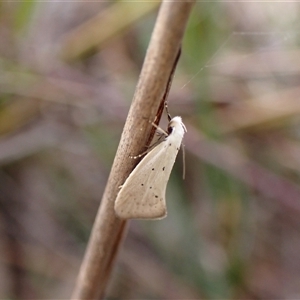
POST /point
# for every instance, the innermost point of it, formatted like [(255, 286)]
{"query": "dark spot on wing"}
[(170, 144), (142, 184), (177, 148), (150, 187), (152, 169), (163, 168), (156, 196)]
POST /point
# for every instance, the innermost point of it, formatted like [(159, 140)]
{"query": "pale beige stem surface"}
[(108, 230)]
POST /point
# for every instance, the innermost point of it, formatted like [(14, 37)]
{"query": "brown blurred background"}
[(68, 74)]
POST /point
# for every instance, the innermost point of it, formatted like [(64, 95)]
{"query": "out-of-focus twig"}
[(263, 112), (34, 139), (108, 230), (106, 25), (17, 113)]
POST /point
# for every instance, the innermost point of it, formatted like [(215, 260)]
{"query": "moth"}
[(143, 194)]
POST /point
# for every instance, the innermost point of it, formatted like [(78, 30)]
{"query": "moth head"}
[(176, 124)]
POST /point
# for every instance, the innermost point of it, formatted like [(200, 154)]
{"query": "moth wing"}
[(142, 196)]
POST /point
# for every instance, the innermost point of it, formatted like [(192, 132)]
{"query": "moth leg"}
[(162, 134), (159, 129)]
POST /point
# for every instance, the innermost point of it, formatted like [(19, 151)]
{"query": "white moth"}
[(142, 196)]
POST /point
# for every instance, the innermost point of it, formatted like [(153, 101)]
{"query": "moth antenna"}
[(139, 155), (167, 111), (183, 161), (148, 150)]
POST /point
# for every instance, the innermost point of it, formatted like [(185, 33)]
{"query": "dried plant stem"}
[(108, 230)]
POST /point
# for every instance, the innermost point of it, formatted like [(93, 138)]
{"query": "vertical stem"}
[(108, 230)]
